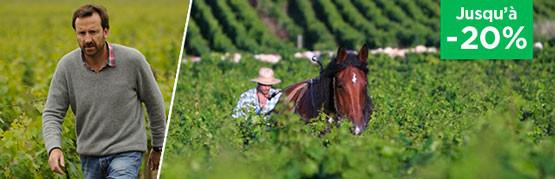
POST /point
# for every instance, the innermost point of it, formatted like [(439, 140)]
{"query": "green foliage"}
[(429, 7), (345, 34), (194, 43), (432, 119), (262, 26), (256, 28), (316, 35), (274, 9), (35, 35), (392, 11), (234, 30), (236, 25), (374, 36), (373, 13), (544, 9), (211, 29)]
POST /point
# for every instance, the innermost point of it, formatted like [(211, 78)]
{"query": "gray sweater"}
[(107, 105)]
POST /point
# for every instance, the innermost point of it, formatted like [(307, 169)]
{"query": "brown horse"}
[(340, 91)]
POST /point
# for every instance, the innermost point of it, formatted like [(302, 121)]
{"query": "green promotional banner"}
[(486, 29)]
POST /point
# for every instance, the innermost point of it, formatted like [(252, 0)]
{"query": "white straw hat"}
[(266, 77)]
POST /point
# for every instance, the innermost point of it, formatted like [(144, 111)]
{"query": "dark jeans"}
[(122, 165)]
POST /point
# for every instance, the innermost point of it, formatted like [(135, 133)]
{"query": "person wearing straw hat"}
[(262, 99)]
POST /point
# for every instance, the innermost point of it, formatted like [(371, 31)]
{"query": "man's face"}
[(264, 89), (90, 35)]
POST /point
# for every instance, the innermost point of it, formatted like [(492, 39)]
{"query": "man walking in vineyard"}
[(262, 99), (105, 85)]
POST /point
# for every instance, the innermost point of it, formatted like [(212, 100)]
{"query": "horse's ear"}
[(341, 55), (363, 53)]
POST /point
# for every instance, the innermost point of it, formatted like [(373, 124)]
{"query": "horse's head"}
[(350, 82)]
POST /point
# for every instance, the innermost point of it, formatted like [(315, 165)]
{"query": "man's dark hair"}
[(88, 10)]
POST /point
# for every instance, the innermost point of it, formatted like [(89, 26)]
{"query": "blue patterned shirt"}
[(249, 101)]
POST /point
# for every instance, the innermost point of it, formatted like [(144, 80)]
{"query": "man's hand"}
[(154, 160), (56, 161)]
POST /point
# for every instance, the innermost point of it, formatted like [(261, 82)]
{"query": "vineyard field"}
[(273, 26), (432, 118)]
